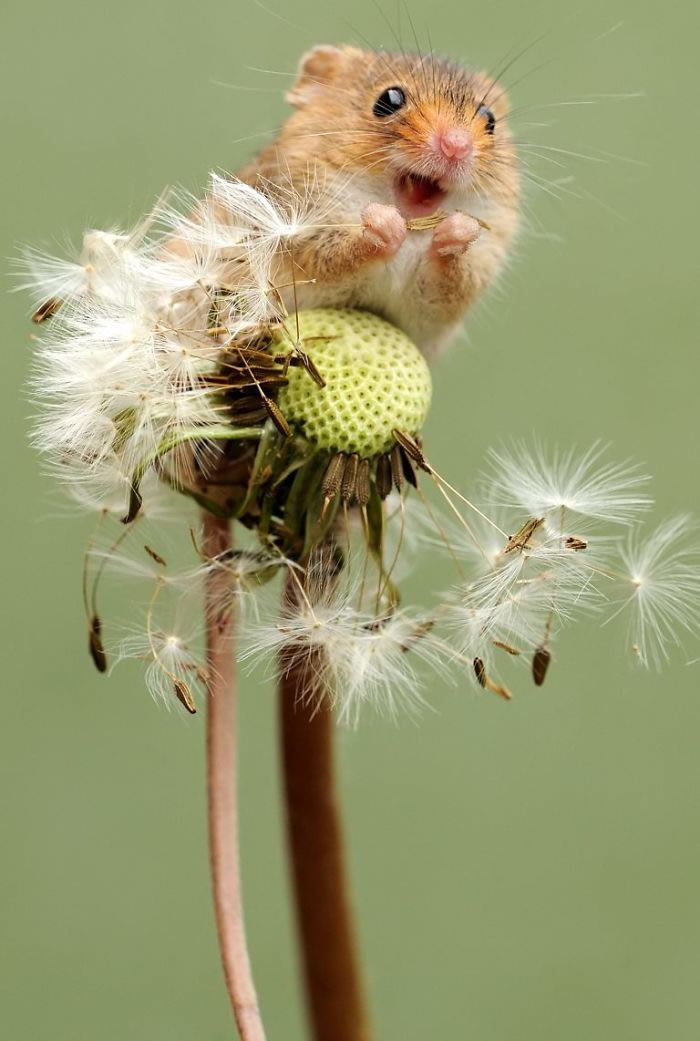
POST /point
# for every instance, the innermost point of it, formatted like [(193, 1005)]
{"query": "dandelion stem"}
[(222, 792), (333, 981)]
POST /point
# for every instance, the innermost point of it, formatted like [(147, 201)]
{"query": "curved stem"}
[(222, 790), (333, 981)]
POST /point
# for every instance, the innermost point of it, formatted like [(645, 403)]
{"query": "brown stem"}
[(222, 790), (333, 982)]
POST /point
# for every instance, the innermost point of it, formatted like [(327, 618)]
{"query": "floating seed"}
[(384, 477), (575, 543), (184, 696), (480, 671), (349, 483), (540, 663), (97, 651)]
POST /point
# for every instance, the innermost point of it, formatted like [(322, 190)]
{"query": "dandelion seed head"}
[(158, 346)]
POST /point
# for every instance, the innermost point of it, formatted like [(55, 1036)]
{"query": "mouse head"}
[(433, 127)]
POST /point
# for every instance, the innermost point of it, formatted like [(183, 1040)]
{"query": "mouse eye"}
[(488, 117), (389, 102)]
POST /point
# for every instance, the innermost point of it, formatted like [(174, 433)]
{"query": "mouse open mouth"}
[(418, 196)]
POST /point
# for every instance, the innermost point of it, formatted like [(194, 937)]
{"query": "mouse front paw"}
[(454, 235), (384, 228)]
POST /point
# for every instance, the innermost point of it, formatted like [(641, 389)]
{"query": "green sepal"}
[(171, 441), (267, 453), (300, 494)]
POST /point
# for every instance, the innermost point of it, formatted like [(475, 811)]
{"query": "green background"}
[(523, 872)]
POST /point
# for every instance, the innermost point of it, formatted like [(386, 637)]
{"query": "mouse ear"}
[(317, 67)]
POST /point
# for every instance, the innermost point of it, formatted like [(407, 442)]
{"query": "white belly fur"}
[(388, 289)]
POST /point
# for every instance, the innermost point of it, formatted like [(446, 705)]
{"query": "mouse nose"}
[(455, 143)]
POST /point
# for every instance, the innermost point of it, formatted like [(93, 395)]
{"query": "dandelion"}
[(170, 374), (168, 359)]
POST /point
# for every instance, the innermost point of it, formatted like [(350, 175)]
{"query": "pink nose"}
[(455, 143)]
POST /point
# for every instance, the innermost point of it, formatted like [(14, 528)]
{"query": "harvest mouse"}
[(387, 139)]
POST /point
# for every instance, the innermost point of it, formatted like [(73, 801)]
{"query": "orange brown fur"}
[(359, 165)]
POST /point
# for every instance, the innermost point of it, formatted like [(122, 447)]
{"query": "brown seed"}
[(411, 447), (310, 367), (507, 647), (383, 478), (396, 468), (523, 535), (498, 688), (155, 556), (97, 651), (184, 696), (330, 485), (252, 378), (349, 483), (47, 310), (247, 416), (482, 223), (420, 630), (275, 414), (425, 223), (261, 359), (480, 671), (540, 663), (575, 543), (486, 681), (362, 485), (407, 467), (135, 503)]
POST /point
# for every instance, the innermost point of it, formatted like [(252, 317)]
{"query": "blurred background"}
[(524, 871)]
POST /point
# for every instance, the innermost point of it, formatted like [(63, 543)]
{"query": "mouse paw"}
[(384, 228), (454, 235)]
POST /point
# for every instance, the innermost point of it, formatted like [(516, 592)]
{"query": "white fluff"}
[(121, 374)]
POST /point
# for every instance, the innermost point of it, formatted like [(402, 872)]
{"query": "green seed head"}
[(376, 380)]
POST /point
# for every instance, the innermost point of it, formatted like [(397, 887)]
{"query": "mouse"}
[(417, 170)]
